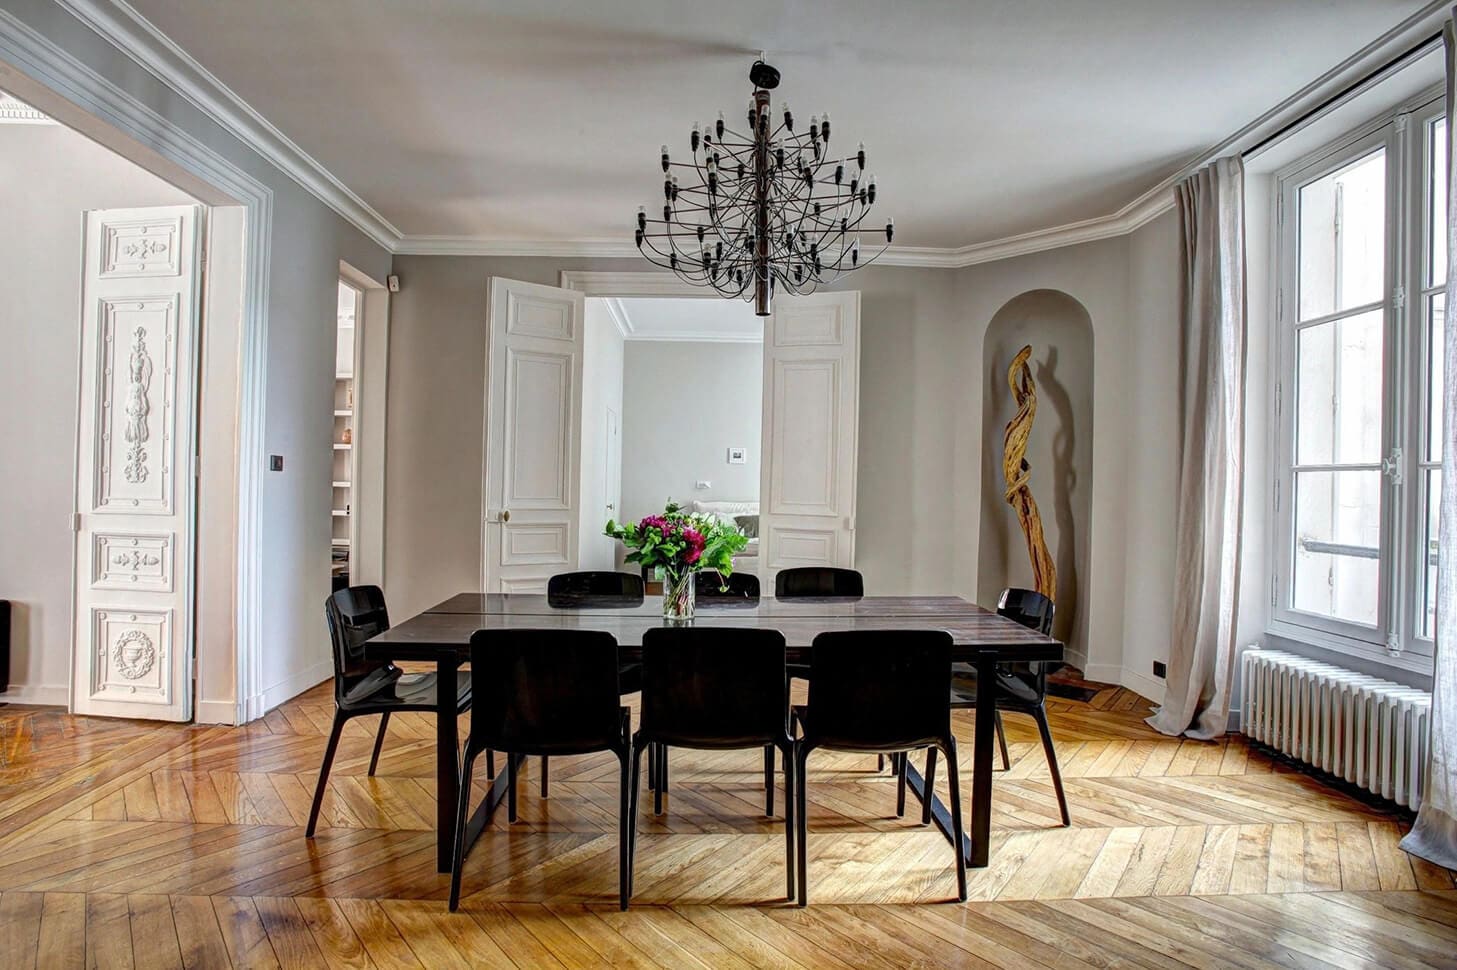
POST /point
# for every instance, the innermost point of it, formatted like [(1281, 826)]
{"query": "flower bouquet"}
[(682, 545)]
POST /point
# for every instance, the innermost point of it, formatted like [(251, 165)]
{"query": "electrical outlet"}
[(275, 463), (1160, 669), (701, 484)]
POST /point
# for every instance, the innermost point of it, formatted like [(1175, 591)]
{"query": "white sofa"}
[(726, 511)]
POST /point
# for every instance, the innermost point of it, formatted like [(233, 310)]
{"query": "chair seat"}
[(801, 717), (386, 690), (1010, 689), (629, 678)]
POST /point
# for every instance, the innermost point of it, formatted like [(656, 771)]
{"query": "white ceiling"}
[(540, 120), (719, 321)]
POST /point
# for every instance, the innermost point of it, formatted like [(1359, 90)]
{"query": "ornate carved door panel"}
[(132, 641)]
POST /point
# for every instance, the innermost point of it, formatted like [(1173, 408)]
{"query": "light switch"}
[(701, 484)]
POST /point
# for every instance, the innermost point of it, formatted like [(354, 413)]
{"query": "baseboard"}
[(1102, 673), (1076, 658), (1150, 687), (216, 712), (289, 688), (41, 695)]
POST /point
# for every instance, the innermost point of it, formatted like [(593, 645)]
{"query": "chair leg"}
[(461, 811), (625, 821), (636, 780), (329, 750), (652, 750), (899, 761), (510, 787), (954, 780), (490, 765), (543, 776), (1040, 716), (1002, 743), (930, 786), (662, 779), (789, 823), (801, 823), (880, 763), (768, 781), (384, 724)]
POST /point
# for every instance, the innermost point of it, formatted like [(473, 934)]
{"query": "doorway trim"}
[(629, 284), (371, 401), (58, 84)]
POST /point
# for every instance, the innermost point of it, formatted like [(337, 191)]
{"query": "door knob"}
[(505, 515)]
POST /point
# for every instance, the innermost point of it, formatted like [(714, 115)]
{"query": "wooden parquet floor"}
[(125, 844)]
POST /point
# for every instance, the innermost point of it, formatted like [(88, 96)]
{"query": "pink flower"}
[(694, 552)]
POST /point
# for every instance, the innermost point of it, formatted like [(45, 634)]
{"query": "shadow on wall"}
[(1060, 451)]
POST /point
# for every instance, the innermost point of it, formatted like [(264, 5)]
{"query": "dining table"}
[(441, 636)]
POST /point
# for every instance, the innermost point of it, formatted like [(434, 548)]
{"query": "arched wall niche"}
[(1060, 451)]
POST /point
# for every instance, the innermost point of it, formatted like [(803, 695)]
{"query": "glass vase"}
[(678, 594)]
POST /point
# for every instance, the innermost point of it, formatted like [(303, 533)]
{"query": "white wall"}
[(49, 176), (602, 376), (684, 404), (308, 241)]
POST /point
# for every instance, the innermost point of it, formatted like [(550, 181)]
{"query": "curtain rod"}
[(1421, 49)]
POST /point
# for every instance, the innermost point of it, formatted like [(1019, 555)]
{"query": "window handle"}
[(1391, 467)]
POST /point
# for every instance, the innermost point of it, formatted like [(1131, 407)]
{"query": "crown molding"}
[(618, 311), (123, 26), (134, 35), (13, 111)]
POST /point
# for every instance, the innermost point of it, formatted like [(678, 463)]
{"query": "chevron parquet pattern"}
[(131, 844)]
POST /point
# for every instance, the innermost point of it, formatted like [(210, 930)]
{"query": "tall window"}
[(1359, 310)]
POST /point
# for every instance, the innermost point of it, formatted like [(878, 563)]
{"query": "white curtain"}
[(1211, 384), (1434, 837)]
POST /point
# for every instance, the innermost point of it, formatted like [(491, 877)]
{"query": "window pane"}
[(1429, 555), (1338, 387), (1436, 344), (1343, 237), (1437, 217), (1337, 536)]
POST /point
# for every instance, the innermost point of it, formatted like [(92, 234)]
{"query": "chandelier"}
[(764, 211)]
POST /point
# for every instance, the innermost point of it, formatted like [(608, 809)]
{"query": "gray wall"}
[(437, 356), (1059, 451), (309, 240), (683, 405), (49, 176)]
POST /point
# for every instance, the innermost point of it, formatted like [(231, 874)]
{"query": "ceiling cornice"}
[(128, 30), (133, 34), (618, 312)]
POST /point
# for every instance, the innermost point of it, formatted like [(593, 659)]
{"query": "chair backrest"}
[(355, 614), (594, 588), (544, 691), (1028, 607), (818, 581), (1035, 611), (735, 586), (880, 689), (714, 686)]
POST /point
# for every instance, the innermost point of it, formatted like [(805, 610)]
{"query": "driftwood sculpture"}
[(1017, 472)]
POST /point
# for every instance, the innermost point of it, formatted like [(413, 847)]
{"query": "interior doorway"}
[(344, 451), (100, 395), (556, 368)]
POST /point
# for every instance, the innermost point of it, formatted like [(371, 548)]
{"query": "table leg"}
[(447, 761), (978, 841), (979, 844)]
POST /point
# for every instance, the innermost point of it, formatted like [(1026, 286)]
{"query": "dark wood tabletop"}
[(975, 630)]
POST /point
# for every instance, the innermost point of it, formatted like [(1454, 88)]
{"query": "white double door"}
[(534, 425), (133, 583)]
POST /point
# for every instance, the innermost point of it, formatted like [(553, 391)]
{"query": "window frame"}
[(1396, 638)]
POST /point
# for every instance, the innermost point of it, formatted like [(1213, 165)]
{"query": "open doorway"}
[(344, 475), (99, 393), (672, 398)]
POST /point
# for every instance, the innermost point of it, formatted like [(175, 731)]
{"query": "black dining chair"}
[(363, 687), (876, 691), (586, 590), (545, 692), (594, 588), (818, 581), (1021, 688), (713, 587), (718, 689)]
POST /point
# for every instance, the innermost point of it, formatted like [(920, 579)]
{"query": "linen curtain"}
[(1434, 837), (1211, 384)]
